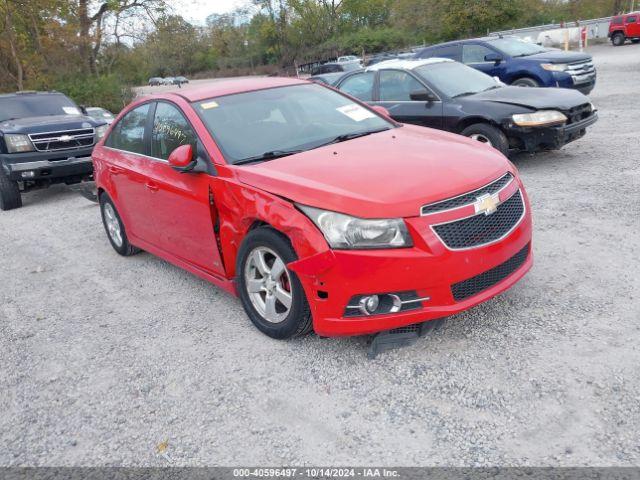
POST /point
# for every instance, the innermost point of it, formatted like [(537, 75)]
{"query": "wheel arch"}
[(468, 121)]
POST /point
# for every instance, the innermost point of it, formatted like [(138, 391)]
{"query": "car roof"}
[(29, 92), (406, 64), (219, 88), (468, 40)]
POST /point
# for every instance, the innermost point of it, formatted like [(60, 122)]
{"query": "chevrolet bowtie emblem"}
[(487, 204), (65, 138)]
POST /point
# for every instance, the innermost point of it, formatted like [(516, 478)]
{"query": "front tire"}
[(272, 296), (115, 228), (525, 82), (10, 196), (618, 39), (488, 134)]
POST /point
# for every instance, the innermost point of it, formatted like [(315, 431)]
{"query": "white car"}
[(348, 59)]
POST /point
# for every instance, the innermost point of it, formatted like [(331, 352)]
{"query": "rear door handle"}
[(151, 186), (116, 170)]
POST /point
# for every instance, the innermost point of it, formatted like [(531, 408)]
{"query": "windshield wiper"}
[(350, 136), (464, 94), (271, 155)]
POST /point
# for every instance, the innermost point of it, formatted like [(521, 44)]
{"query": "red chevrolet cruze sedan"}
[(318, 211)]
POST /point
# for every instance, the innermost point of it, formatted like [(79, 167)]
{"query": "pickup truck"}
[(625, 27), (45, 138)]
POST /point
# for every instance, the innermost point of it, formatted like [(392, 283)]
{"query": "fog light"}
[(369, 305), (28, 174)]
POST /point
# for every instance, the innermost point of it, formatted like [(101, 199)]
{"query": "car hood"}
[(48, 123), (535, 98), (385, 175), (554, 56)]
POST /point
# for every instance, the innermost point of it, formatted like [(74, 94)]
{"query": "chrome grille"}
[(582, 71), (63, 140), (469, 197)]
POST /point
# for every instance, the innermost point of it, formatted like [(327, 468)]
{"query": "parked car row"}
[(342, 213), (155, 81)]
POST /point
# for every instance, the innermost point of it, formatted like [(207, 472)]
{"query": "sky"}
[(196, 11)]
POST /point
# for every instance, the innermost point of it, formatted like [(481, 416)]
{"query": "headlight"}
[(18, 143), (100, 131), (554, 67), (541, 117), (346, 232)]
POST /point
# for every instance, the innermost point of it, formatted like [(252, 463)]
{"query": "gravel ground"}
[(103, 358)]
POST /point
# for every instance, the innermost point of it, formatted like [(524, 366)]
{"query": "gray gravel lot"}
[(104, 357)]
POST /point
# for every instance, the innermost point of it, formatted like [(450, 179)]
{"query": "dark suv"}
[(519, 63), (44, 139)]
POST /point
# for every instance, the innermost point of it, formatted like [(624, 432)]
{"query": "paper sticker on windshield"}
[(208, 105), (355, 112), (71, 110)]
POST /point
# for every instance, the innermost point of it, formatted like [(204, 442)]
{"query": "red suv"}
[(623, 27), (315, 209)]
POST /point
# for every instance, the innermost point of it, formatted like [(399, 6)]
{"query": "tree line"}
[(93, 49)]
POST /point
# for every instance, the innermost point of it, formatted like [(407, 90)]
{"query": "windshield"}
[(299, 117), (455, 79), (36, 105), (515, 47)]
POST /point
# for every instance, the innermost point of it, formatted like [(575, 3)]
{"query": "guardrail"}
[(596, 28)]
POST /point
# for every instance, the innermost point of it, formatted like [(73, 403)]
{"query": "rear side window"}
[(396, 86), (128, 134), (631, 19), (448, 51), (170, 130), (617, 21), (360, 86)]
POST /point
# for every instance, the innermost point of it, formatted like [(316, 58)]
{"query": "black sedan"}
[(448, 95)]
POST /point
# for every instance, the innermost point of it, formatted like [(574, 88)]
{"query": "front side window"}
[(292, 118), (455, 79), (170, 130), (396, 86), (474, 53), (360, 86), (631, 19), (128, 134)]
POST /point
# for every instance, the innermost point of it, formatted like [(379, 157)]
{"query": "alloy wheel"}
[(481, 138), (268, 284), (113, 224)]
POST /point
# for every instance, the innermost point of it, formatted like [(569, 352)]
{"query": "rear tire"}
[(10, 197), (525, 82), (488, 134), (617, 39), (258, 283), (115, 228)]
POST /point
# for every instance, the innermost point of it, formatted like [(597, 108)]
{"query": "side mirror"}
[(83, 109), (422, 96), (182, 160), (381, 110), (496, 58)]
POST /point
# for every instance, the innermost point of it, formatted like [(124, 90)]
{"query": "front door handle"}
[(151, 186), (116, 170)]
